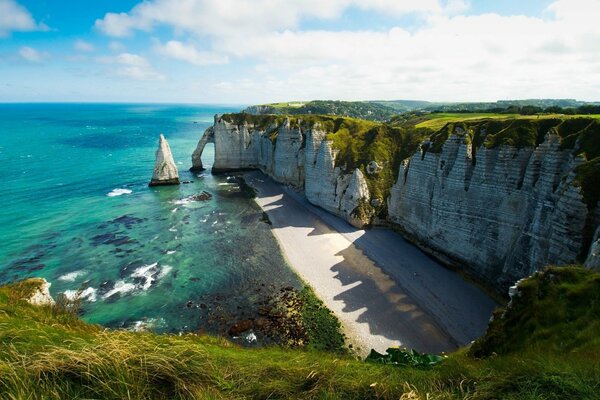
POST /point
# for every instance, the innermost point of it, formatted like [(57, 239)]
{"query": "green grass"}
[(47, 353), (437, 121)]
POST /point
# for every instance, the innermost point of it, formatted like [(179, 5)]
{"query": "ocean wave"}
[(88, 294), (71, 276), (120, 287), (169, 252), (147, 324), (147, 273), (119, 192)]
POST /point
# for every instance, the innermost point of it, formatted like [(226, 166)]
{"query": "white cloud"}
[(178, 50), (16, 18), (240, 17), (82, 45), (132, 66), (116, 46), (448, 57), (32, 55)]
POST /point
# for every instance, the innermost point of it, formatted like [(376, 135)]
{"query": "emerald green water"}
[(138, 257)]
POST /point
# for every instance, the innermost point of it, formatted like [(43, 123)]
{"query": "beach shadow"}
[(392, 286)]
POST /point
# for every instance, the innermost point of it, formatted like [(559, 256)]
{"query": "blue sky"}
[(242, 52)]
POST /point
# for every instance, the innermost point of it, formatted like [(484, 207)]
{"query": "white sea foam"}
[(88, 294), (173, 210), (120, 287), (71, 276), (148, 273), (181, 202), (147, 324), (119, 192), (169, 252), (172, 229)]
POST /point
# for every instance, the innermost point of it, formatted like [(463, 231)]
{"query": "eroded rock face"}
[(207, 137), (500, 213), (165, 170), (295, 156), (41, 296), (504, 216), (593, 258)]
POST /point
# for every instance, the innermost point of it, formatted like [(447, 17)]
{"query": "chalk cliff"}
[(497, 206), (207, 137), (165, 170), (504, 216)]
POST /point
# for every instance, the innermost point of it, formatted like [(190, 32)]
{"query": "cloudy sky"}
[(255, 51)]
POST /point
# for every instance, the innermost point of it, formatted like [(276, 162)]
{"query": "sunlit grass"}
[(47, 353)]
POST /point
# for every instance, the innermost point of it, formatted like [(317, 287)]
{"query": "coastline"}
[(384, 290)]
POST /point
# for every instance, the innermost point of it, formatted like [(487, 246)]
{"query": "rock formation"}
[(165, 171), (503, 217), (500, 212), (207, 137), (291, 155), (41, 295)]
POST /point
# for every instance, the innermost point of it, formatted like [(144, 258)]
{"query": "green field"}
[(438, 120)]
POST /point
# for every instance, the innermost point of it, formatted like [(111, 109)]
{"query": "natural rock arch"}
[(207, 137)]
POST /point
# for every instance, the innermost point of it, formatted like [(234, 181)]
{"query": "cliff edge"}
[(497, 198)]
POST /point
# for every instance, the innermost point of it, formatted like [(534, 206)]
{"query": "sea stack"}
[(165, 171)]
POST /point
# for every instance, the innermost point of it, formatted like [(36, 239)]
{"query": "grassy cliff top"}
[(546, 347)]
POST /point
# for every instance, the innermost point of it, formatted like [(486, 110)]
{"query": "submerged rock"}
[(165, 171)]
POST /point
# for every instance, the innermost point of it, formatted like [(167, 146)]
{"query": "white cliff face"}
[(292, 155), (208, 136), (41, 296), (503, 215), (165, 171), (500, 213)]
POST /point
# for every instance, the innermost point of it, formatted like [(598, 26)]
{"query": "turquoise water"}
[(138, 257)]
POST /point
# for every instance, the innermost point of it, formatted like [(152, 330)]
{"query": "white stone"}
[(41, 296), (165, 170)]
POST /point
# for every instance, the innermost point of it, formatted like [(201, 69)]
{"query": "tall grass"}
[(47, 353)]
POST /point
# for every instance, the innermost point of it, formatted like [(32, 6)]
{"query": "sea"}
[(76, 210)]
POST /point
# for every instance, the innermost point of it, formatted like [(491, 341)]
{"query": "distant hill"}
[(385, 110)]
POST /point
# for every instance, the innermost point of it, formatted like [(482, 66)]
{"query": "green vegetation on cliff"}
[(545, 346), (357, 141)]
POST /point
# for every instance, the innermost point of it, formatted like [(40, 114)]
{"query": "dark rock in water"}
[(233, 179), (128, 220), (189, 304), (240, 327), (201, 196), (186, 182), (105, 287), (35, 267), (111, 238)]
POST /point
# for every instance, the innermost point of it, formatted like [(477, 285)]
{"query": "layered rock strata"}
[(500, 212), (165, 170), (291, 155), (503, 215)]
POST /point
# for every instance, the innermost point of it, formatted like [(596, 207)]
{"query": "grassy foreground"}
[(545, 346)]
